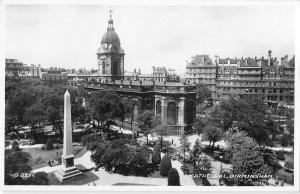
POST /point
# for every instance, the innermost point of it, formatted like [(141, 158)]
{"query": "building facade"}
[(173, 101), (201, 69), (268, 79), (53, 79), (14, 68)]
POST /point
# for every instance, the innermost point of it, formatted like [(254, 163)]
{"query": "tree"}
[(234, 140), (289, 164), (284, 140), (147, 121), (247, 160), (104, 106), (173, 177), (39, 178), (122, 156), (250, 115), (185, 146), (196, 152), (165, 165), (156, 154), (17, 165), (49, 144), (212, 134), (17, 104), (77, 110), (202, 93), (200, 125), (34, 115), (53, 106), (161, 130), (203, 167), (289, 114), (15, 146)]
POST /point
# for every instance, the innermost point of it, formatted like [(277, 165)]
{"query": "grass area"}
[(198, 181), (41, 157), (286, 176), (289, 157), (86, 177)]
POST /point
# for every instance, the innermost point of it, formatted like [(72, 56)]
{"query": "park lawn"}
[(289, 157), (47, 155)]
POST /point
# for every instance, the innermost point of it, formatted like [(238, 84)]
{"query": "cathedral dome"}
[(110, 37)]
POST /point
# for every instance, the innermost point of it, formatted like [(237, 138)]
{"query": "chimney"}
[(269, 57), (286, 57), (139, 71), (134, 70), (217, 59)]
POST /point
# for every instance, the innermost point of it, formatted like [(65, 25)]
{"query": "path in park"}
[(106, 178)]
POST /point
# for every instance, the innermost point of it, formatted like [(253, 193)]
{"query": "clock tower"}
[(110, 55)]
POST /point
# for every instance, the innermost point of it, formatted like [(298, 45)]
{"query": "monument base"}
[(67, 173), (68, 170)]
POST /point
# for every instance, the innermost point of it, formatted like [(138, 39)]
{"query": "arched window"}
[(172, 114), (158, 107), (103, 67)]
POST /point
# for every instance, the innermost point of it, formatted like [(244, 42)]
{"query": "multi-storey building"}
[(278, 82), (14, 68), (268, 79), (35, 71), (51, 79), (201, 69)]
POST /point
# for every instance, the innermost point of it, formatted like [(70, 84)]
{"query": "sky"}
[(151, 35)]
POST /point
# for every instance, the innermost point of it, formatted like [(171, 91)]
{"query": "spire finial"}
[(110, 11)]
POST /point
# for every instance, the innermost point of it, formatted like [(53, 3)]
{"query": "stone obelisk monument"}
[(68, 169)]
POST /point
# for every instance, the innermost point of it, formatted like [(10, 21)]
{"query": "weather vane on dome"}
[(110, 11)]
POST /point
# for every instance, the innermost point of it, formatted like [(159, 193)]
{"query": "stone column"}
[(155, 101), (163, 110), (181, 115)]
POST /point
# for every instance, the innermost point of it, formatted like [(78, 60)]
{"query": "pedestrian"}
[(172, 141)]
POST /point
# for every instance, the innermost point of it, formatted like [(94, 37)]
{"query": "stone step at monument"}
[(63, 175)]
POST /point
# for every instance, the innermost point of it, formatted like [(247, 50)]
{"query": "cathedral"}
[(173, 101), (110, 55)]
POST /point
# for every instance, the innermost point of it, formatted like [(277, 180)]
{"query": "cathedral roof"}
[(110, 36)]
